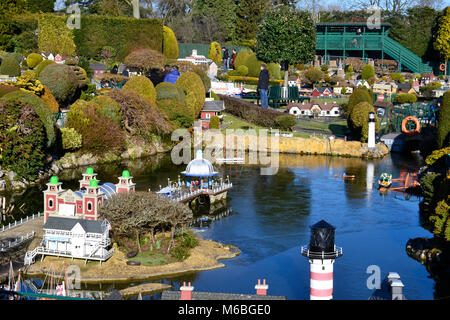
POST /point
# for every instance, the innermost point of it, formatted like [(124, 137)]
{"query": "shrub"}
[(250, 112), (359, 120), (429, 183), (41, 110), (29, 84), (107, 107), (215, 52), (54, 35), (186, 66), (397, 77), (170, 44), (241, 58), (313, 76), (437, 156), (22, 139), (71, 139), (214, 122), (143, 86), (145, 59), (81, 74), (192, 84), (324, 68), (441, 220), (368, 72), (61, 81), (405, 98), (34, 59), (139, 117), (124, 34), (10, 67), (286, 122), (253, 65), (214, 96), (443, 130), (166, 90), (274, 71), (41, 66), (99, 133), (242, 71), (177, 112), (5, 89), (358, 95), (50, 100)]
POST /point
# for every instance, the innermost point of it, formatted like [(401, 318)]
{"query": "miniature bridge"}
[(356, 38)]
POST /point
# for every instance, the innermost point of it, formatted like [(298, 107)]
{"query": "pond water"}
[(270, 221)]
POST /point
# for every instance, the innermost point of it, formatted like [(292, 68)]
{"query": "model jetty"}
[(200, 185)]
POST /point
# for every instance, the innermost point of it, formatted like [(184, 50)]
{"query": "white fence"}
[(12, 244), (20, 222)]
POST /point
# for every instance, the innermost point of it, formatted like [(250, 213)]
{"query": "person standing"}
[(233, 58), (263, 86), (172, 76), (225, 59)]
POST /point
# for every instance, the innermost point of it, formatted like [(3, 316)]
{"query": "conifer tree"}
[(442, 43)]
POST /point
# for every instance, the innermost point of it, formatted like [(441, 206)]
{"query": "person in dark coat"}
[(126, 72), (225, 59), (114, 70), (263, 86), (173, 76)]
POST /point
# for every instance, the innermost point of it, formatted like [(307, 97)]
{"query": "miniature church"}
[(84, 203)]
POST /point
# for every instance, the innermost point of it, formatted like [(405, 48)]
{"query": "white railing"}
[(17, 242), (338, 251), (20, 222), (215, 189), (30, 255)]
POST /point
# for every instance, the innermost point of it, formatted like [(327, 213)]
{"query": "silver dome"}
[(199, 167)]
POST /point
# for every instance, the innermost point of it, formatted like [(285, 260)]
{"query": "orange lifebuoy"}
[(442, 67), (406, 120)]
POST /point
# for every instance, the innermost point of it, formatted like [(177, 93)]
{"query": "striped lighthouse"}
[(321, 253)]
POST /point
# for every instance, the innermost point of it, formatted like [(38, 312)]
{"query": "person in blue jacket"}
[(172, 76)]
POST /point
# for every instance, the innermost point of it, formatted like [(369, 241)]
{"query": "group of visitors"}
[(168, 74), (228, 61), (125, 72)]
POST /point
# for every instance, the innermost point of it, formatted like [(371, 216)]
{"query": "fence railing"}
[(20, 222), (12, 244)]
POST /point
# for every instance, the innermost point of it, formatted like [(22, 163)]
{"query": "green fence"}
[(185, 49)]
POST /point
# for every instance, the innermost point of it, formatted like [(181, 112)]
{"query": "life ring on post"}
[(405, 129), (442, 67)]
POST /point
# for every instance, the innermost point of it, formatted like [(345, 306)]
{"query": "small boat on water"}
[(385, 180)]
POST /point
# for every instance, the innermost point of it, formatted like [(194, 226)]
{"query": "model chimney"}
[(186, 291), (261, 289)]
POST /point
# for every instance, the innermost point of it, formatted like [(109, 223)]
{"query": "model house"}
[(337, 89), (385, 88), (322, 92), (211, 109), (314, 109)]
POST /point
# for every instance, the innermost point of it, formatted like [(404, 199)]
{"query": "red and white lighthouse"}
[(321, 253)]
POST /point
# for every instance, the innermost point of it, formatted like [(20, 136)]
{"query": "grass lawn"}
[(337, 128), (151, 258)]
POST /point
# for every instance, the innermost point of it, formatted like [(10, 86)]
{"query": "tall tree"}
[(249, 14), (8, 9), (217, 15), (442, 43), (286, 36)]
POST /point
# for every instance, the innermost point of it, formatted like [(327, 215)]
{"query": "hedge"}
[(443, 133), (4, 89), (250, 112), (41, 109), (253, 80), (41, 66), (54, 35), (177, 112), (192, 84), (170, 43), (143, 86), (10, 67), (166, 90), (241, 58), (405, 98), (34, 59)]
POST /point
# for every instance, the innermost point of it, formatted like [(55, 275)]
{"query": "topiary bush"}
[(50, 100), (170, 44), (41, 66), (242, 71), (215, 52), (286, 122), (143, 86), (145, 59), (177, 113), (29, 84), (22, 139), (405, 98), (253, 65), (10, 67), (192, 84), (214, 122), (166, 90), (71, 139), (359, 120), (61, 81), (107, 107), (100, 134), (33, 60), (443, 130), (241, 58), (358, 95), (274, 71), (5, 89), (41, 110), (186, 66), (139, 117)]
